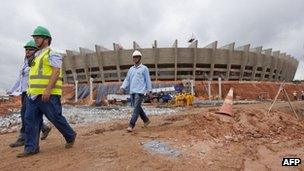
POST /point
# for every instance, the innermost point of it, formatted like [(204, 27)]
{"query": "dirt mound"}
[(249, 89)]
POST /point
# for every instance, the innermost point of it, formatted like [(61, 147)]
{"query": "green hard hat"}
[(41, 31), (30, 44)]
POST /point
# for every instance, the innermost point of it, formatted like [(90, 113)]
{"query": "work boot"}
[(27, 154), (146, 123), (45, 132), (71, 143), (18, 143), (130, 129)]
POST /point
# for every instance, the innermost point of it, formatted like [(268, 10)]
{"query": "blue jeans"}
[(22, 112), (136, 100), (33, 120)]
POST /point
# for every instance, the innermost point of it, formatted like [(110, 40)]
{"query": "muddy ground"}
[(197, 139)]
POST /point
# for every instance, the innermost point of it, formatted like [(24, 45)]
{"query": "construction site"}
[(210, 109)]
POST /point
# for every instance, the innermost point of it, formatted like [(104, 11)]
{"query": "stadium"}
[(177, 63)]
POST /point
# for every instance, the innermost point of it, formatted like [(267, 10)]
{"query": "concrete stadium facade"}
[(177, 63)]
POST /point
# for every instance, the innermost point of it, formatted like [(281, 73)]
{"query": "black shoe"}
[(46, 132), (27, 154), (71, 143), (18, 143)]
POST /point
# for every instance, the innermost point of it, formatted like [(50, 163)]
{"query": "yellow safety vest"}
[(40, 74)]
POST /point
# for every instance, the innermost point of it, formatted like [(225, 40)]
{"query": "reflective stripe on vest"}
[(40, 74)]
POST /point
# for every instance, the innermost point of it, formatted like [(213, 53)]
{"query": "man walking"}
[(138, 82), (44, 93), (20, 88)]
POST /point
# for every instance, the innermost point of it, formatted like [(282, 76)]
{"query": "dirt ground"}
[(250, 140), (12, 104)]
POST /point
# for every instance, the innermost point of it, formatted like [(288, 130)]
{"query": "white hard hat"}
[(136, 53)]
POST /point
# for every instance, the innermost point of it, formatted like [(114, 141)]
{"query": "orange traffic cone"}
[(226, 108)]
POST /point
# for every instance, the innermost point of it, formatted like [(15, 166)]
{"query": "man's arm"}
[(16, 85), (125, 84), (148, 80), (14, 88)]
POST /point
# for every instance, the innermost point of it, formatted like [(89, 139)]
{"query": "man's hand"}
[(120, 91), (46, 95)]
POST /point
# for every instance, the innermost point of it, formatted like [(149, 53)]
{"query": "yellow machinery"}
[(182, 99)]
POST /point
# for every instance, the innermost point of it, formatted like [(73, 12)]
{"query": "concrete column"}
[(76, 91), (287, 68), (209, 90), (64, 59), (91, 90), (71, 62), (274, 62), (230, 47), (87, 62), (258, 51), (212, 46), (293, 68), (245, 49), (192, 82), (220, 87), (100, 59), (286, 65), (194, 46), (175, 59), (155, 55), (267, 52), (117, 61), (279, 64)]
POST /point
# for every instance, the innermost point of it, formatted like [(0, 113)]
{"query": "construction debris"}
[(86, 115)]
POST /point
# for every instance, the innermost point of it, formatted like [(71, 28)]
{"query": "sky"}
[(76, 23)]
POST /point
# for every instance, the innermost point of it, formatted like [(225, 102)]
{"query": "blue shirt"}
[(21, 84), (137, 80)]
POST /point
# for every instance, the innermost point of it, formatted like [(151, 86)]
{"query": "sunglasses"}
[(136, 56), (30, 49)]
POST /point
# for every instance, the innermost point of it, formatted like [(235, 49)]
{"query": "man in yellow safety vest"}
[(44, 93), (20, 88)]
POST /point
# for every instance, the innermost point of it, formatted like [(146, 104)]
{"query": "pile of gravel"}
[(85, 115), (10, 123)]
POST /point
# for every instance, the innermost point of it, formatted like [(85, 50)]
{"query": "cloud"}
[(73, 24)]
